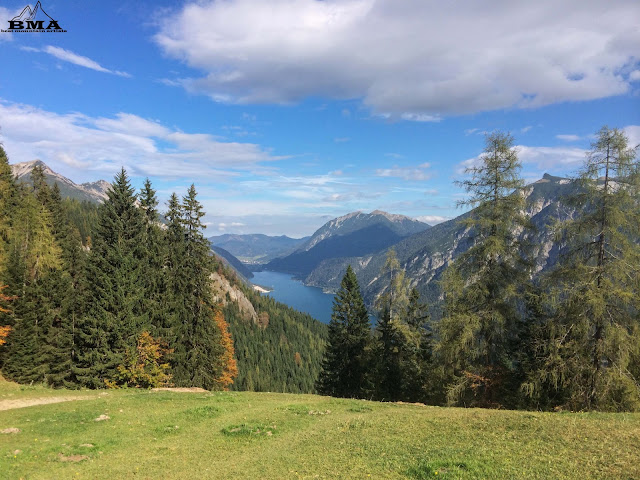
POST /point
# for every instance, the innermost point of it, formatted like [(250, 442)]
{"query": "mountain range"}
[(354, 234), (256, 248), (95, 192), (362, 240), (425, 255)]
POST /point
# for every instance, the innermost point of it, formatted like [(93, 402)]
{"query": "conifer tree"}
[(227, 360), (399, 337), (116, 315), (590, 341), (7, 192), (33, 269), (155, 298), (345, 365), (483, 284), (198, 350)]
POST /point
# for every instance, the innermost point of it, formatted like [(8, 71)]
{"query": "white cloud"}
[(71, 57), (143, 146), (432, 219), (525, 129), (568, 138), (634, 76), (633, 133), (541, 158), (417, 60), (406, 173)]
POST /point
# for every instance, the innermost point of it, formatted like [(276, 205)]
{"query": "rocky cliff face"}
[(426, 254), (224, 293)]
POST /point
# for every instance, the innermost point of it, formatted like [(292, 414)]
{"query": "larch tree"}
[(346, 362), (481, 287), (589, 354)]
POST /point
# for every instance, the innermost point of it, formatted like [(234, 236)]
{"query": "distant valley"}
[(361, 240)]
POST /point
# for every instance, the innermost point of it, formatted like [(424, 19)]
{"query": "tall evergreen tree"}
[(34, 268), (345, 365), (586, 351), (400, 338), (7, 193), (482, 285), (154, 278), (116, 315), (198, 351)]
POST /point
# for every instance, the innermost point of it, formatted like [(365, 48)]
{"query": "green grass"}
[(234, 435)]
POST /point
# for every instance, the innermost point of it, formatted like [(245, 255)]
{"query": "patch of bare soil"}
[(180, 389), (10, 430), (30, 402), (71, 458)]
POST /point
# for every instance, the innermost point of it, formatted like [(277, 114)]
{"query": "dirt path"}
[(30, 402)]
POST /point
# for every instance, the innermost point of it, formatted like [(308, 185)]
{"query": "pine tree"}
[(345, 365), (154, 278), (589, 343), (198, 350), (116, 315), (399, 336), (483, 284)]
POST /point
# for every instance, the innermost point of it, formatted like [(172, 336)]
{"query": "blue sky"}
[(286, 113)]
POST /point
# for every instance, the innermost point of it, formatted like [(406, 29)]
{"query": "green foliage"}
[(115, 315), (586, 349), (401, 347), (266, 353), (345, 365), (197, 347), (483, 284)]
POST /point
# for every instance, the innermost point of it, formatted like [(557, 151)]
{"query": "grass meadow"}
[(121, 434)]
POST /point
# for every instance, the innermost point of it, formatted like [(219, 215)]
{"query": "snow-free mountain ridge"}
[(90, 191)]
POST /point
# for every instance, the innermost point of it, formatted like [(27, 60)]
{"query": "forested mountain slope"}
[(425, 255), (355, 234)]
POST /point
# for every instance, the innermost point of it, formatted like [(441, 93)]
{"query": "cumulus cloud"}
[(559, 159), (143, 146), (407, 60), (71, 57)]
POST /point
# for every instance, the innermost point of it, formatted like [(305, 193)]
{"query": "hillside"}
[(425, 255), (232, 261), (355, 234), (222, 435), (95, 192), (256, 248)]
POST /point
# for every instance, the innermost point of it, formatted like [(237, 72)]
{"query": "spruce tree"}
[(399, 337), (482, 286), (155, 299), (589, 343), (345, 365), (115, 288), (197, 342)]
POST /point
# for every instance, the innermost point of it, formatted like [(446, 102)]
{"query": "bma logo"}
[(33, 20)]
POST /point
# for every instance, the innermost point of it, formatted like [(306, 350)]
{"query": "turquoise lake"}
[(294, 293)]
